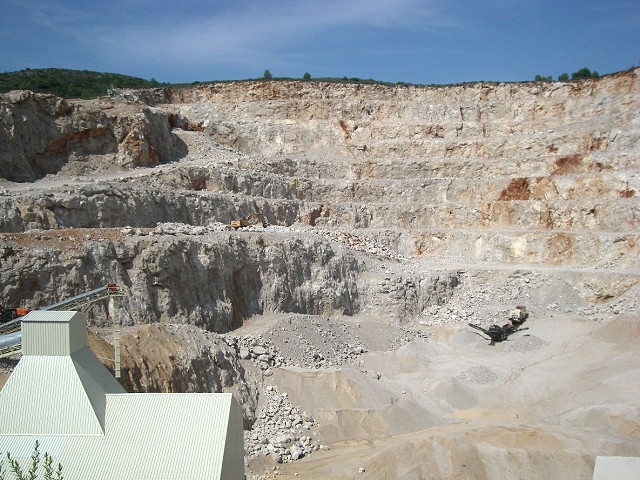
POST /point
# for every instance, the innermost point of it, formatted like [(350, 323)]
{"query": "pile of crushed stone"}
[(478, 375), (526, 343), (320, 342)]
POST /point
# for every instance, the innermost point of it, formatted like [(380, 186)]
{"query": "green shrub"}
[(49, 473), (582, 73)]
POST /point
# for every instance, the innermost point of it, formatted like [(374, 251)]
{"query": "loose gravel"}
[(478, 375)]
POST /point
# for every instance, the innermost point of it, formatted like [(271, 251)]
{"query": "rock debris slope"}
[(393, 216)]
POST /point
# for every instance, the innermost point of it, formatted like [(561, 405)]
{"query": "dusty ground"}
[(452, 405)]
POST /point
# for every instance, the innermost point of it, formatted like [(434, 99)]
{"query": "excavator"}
[(253, 218), (518, 314), (8, 314)]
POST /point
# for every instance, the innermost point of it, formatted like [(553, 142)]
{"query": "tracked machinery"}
[(252, 219), (8, 314), (10, 324), (518, 314), (500, 333)]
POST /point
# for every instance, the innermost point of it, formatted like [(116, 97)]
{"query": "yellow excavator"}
[(252, 219)]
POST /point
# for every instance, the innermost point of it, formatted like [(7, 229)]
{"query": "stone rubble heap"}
[(174, 228), (317, 342), (261, 352), (477, 374), (281, 430)]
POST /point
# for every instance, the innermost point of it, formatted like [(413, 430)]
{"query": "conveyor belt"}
[(9, 327), (85, 298), (10, 344), (11, 336)]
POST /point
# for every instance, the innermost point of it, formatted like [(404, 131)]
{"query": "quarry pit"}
[(390, 217)]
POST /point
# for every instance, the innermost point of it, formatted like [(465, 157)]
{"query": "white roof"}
[(52, 393), (53, 333), (149, 436), (618, 468), (55, 395), (81, 416)]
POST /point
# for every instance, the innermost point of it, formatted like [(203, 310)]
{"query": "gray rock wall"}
[(215, 283)]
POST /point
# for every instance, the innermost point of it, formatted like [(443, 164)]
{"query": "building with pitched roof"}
[(63, 397)]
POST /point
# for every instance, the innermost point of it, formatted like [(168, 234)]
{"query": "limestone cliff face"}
[(40, 134), (527, 129), (514, 174), (523, 122), (141, 203)]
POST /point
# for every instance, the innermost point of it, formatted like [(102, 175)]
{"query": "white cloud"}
[(149, 35), (254, 29)]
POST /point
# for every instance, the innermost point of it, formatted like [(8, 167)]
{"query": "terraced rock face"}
[(452, 168), (392, 216)]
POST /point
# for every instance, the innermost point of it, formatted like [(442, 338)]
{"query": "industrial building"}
[(63, 397)]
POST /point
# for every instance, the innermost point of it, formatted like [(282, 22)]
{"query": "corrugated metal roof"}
[(96, 381), (41, 316), (53, 333), (22, 446), (170, 435), (150, 436), (45, 395)]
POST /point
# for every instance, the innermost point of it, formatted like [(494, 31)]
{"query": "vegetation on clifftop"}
[(69, 83), (87, 84), (564, 77)]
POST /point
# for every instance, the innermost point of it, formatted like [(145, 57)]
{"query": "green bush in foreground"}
[(17, 473)]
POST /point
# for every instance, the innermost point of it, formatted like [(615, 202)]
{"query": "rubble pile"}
[(320, 342), (281, 430)]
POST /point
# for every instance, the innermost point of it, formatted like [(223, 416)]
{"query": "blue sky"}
[(415, 41)]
